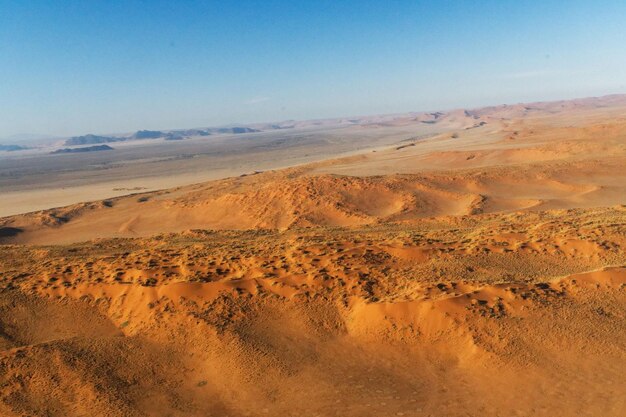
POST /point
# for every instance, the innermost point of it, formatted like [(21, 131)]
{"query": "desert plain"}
[(456, 263)]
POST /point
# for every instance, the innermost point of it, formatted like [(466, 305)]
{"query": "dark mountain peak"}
[(148, 134), (94, 148), (91, 139)]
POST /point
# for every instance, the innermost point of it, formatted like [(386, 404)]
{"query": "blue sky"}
[(74, 67)]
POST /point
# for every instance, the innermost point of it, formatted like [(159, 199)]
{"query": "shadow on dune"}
[(10, 231)]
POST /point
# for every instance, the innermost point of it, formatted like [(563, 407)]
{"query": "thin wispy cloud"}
[(256, 100)]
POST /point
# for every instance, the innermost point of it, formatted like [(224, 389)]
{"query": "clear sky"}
[(74, 67)]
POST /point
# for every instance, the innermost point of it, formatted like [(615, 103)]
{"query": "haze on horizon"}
[(69, 68)]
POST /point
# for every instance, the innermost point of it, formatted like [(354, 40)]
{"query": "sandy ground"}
[(32, 181), (478, 272)]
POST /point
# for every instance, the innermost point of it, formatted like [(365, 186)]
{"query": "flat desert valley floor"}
[(460, 263)]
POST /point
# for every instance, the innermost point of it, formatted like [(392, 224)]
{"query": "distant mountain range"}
[(460, 118), (91, 139), (11, 148), (237, 130), (94, 148)]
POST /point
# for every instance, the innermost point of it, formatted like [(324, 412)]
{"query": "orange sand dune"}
[(476, 272), (445, 318)]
